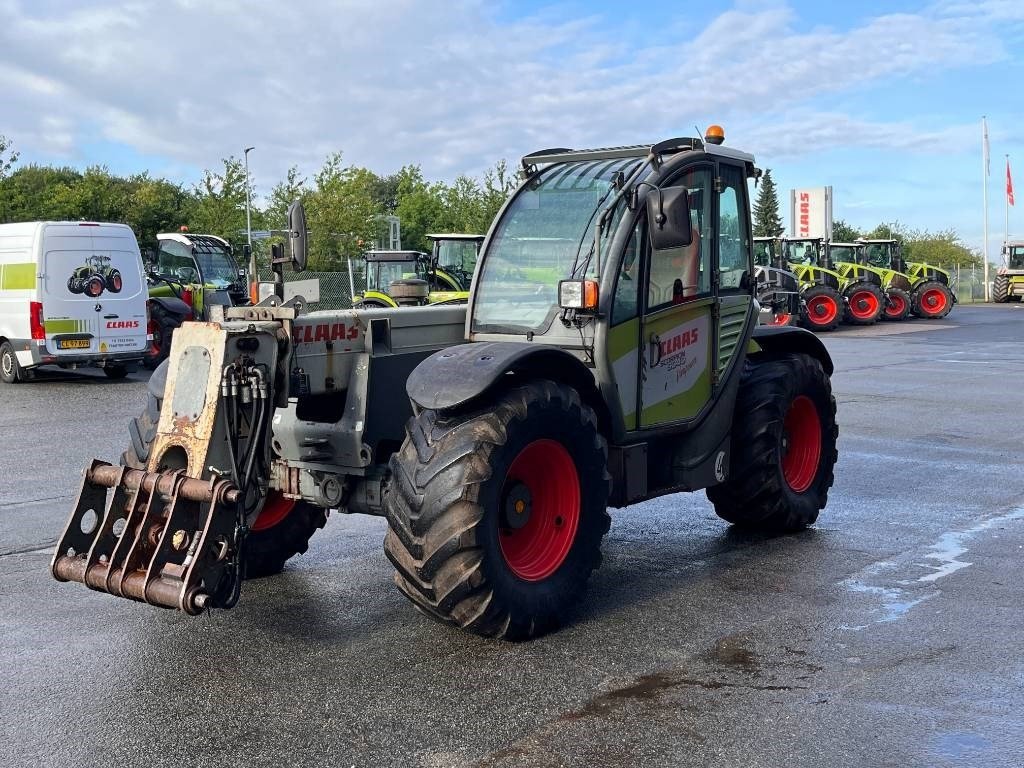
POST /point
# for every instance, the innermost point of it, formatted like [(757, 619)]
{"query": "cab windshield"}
[(763, 252), (844, 253), (458, 259), (380, 274), (802, 252), (877, 254), (546, 235), (215, 263), (1015, 258)]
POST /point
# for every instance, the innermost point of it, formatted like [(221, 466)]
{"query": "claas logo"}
[(116, 324)]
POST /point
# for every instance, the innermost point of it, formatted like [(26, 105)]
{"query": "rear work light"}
[(577, 294), (35, 314)]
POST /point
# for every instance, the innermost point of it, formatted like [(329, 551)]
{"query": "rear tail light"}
[(35, 313)]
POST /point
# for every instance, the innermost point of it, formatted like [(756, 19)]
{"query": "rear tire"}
[(11, 371), (267, 548), (865, 303), (783, 447), (460, 551), (1001, 289), (897, 304), (931, 300), (823, 308)]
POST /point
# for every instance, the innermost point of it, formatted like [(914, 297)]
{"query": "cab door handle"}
[(655, 349)]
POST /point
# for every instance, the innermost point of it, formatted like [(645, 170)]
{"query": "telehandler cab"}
[(623, 364)]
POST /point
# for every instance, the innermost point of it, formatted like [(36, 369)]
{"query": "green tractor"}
[(778, 290), (1009, 282), (848, 260), (95, 276), (829, 296), (190, 274), (923, 286), (414, 278)]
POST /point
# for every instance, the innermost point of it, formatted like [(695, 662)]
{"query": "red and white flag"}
[(1009, 183)]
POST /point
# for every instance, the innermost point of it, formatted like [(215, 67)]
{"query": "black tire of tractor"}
[(1001, 289), (10, 370), (821, 295), (868, 294), (757, 495), (165, 327), (444, 510), (266, 551), (371, 304), (897, 305), (917, 300)]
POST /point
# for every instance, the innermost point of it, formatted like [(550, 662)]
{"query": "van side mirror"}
[(668, 218), (297, 235)]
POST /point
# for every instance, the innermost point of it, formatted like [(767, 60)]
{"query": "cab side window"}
[(176, 259), (681, 274), (733, 230)]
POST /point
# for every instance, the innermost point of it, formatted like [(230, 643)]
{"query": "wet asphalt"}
[(889, 634)]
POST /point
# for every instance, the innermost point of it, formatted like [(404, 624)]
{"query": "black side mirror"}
[(668, 218), (297, 235)]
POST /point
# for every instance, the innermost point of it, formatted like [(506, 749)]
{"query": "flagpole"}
[(1006, 194), (984, 187)]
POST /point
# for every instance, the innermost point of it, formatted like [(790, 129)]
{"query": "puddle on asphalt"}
[(901, 595)]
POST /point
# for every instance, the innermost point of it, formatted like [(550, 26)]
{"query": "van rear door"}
[(94, 298)]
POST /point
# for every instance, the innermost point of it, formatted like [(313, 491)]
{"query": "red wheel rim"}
[(155, 344), (822, 310), (780, 318), (274, 511), (538, 548), (933, 301), (94, 287), (897, 306), (801, 444), (863, 305), (117, 282)]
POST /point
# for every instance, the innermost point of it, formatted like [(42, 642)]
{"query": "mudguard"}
[(173, 306), (782, 339), (454, 376)]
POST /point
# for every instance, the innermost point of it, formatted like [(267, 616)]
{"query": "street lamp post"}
[(248, 219)]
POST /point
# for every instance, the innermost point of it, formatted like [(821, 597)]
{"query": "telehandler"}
[(625, 364)]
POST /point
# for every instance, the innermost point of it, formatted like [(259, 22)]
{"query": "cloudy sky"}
[(881, 100)]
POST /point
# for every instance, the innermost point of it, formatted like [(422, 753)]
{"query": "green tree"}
[(767, 221), (218, 204), (341, 213), (12, 156), (154, 206), (420, 207), (843, 232)]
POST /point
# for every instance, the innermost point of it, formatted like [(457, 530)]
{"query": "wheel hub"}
[(518, 506)]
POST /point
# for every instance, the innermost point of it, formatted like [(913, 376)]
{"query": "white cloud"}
[(447, 85)]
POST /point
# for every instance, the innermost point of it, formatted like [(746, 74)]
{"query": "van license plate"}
[(72, 343)]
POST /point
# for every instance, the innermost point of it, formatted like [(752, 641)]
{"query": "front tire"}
[(897, 304), (865, 303), (282, 529), (783, 447), (823, 308), (931, 300), (162, 326), (1001, 289), (496, 515)]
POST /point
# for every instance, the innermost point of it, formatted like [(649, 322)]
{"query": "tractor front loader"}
[(610, 353)]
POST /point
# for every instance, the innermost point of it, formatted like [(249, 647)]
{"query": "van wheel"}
[(10, 370)]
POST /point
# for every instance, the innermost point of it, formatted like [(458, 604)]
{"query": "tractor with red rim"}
[(848, 260), (610, 353), (912, 287)]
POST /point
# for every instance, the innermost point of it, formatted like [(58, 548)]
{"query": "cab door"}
[(734, 263), (677, 322)]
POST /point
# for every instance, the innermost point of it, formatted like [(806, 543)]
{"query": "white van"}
[(71, 294)]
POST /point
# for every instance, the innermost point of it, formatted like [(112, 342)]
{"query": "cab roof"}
[(456, 236), (394, 255)]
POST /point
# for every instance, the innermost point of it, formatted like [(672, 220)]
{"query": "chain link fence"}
[(335, 287)]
